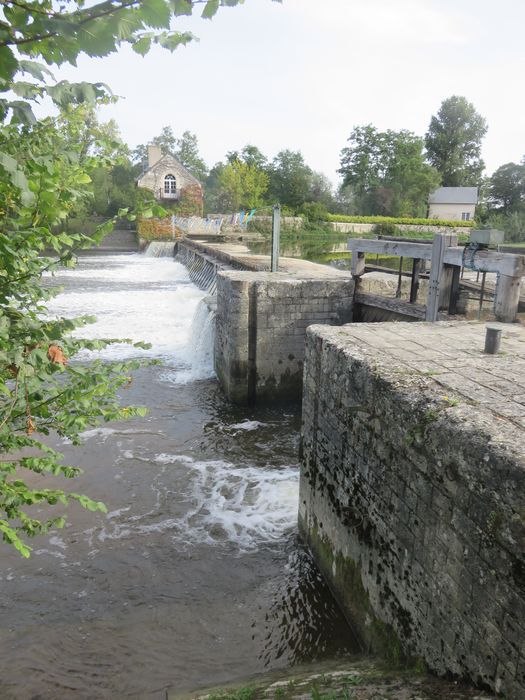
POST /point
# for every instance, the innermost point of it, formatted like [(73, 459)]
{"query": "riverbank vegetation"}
[(50, 171)]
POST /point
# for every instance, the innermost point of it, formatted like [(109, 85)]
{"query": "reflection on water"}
[(316, 246), (195, 576)]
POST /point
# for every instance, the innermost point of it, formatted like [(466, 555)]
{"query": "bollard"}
[(492, 339)]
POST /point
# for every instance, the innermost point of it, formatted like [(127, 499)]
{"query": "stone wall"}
[(412, 493), (261, 324), (348, 227)]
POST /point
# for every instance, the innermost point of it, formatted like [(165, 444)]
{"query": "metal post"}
[(492, 339), (276, 237), (417, 263), (399, 278), (454, 290), (481, 294)]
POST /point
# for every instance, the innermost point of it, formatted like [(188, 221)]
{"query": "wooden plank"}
[(358, 264), (395, 305), (507, 298), (407, 250), (454, 290), (488, 261), (414, 282), (436, 271), (445, 286)]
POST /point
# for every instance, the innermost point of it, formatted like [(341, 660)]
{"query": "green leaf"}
[(156, 13), (21, 113), (210, 9), (8, 63), (172, 40), (97, 38), (142, 46), (181, 7), (37, 70), (27, 90), (18, 179)]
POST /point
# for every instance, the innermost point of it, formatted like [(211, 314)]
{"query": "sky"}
[(302, 74)]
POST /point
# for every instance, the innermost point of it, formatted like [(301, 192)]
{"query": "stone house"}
[(453, 203), (170, 181)]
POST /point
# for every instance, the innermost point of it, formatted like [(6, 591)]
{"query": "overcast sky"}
[(303, 73)]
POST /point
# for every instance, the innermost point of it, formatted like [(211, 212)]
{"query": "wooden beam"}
[(454, 290), (507, 298), (437, 279), (397, 306), (358, 263), (406, 250), (487, 261), (484, 260), (417, 267)]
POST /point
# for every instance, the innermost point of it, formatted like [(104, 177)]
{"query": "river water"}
[(196, 575)]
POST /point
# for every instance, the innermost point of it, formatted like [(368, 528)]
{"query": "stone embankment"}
[(348, 227), (412, 494)]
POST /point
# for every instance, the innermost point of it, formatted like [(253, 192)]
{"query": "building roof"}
[(168, 158), (454, 195)]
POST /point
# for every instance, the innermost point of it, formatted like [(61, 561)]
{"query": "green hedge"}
[(342, 218)]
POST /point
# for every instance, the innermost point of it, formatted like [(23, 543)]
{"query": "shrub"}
[(386, 229), (155, 229), (314, 212), (342, 218)]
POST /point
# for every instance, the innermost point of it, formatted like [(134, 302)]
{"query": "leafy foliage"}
[(242, 185), (453, 142), (290, 179), (347, 218), (46, 174), (41, 390), (387, 172), (507, 188)]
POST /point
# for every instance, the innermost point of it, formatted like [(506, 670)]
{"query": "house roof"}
[(168, 158), (454, 195)]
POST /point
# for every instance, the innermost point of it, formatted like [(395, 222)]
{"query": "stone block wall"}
[(412, 494), (260, 329)]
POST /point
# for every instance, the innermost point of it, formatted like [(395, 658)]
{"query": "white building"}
[(453, 203)]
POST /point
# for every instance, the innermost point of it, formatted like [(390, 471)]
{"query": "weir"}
[(262, 317)]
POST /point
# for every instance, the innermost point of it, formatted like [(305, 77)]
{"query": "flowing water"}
[(196, 575)]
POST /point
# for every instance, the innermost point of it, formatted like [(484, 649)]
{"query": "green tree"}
[(386, 172), (506, 188), (242, 186), (45, 176), (253, 156), (187, 151), (290, 179), (453, 142)]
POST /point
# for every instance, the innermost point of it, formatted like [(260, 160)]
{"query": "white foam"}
[(247, 425), (244, 506), (156, 305), (102, 433), (248, 505), (172, 459)]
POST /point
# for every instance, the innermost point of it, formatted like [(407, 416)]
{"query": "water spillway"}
[(195, 575)]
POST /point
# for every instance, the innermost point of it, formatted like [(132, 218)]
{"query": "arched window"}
[(170, 184)]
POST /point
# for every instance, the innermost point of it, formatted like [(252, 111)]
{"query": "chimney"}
[(154, 154)]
